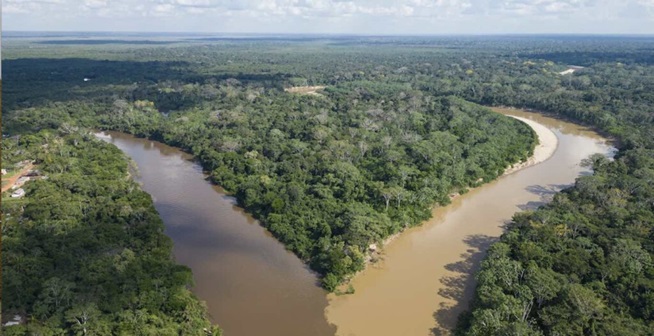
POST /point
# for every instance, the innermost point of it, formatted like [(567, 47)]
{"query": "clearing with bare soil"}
[(9, 182), (311, 90)]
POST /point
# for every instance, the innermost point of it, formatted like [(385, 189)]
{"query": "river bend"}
[(253, 286)]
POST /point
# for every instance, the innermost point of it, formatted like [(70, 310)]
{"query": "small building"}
[(21, 180), (33, 173), (16, 321), (23, 163), (18, 193)]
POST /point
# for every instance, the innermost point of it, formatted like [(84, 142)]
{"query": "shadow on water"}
[(546, 194), (531, 206), (460, 286)]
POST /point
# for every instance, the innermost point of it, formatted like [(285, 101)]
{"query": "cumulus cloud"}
[(359, 16), (96, 3), (193, 3)]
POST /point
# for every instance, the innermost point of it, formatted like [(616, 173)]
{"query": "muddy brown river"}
[(253, 286), (424, 281)]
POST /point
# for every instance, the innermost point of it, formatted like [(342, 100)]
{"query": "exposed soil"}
[(310, 90), (10, 181)]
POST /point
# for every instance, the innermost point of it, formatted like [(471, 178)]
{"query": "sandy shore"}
[(424, 278), (547, 143)]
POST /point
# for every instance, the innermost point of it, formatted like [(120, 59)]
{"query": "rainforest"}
[(333, 144)]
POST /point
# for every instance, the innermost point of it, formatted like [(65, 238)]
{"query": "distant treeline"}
[(393, 133)]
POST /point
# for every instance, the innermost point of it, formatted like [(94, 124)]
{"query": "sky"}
[(365, 17)]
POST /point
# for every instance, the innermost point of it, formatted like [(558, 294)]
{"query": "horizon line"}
[(329, 34)]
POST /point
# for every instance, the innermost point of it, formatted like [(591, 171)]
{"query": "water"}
[(424, 281), (253, 286)]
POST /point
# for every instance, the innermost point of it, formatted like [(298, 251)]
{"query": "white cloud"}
[(164, 9), (13, 9), (352, 16), (193, 3), (28, 6), (96, 3)]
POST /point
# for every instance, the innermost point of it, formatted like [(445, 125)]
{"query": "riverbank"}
[(545, 149), (424, 279), (239, 269)]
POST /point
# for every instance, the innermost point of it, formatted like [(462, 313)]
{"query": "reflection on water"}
[(251, 284), (424, 281)]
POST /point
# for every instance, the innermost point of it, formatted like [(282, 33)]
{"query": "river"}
[(253, 286), (424, 280)]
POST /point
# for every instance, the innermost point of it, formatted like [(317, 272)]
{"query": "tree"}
[(85, 320)]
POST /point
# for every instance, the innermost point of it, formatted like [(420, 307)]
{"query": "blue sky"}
[(334, 16)]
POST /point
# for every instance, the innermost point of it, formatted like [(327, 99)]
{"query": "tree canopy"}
[(395, 131)]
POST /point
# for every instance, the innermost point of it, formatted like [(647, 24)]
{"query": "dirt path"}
[(12, 180), (312, 90)]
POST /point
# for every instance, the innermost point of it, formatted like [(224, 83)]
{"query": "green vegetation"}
[(396, 130), (581, 265), (84, 252), (328, 175), (328, 178)]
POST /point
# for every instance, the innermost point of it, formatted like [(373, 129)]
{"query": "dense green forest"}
[(327, 174), (84, 251), (396, 130), (582, 265)]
